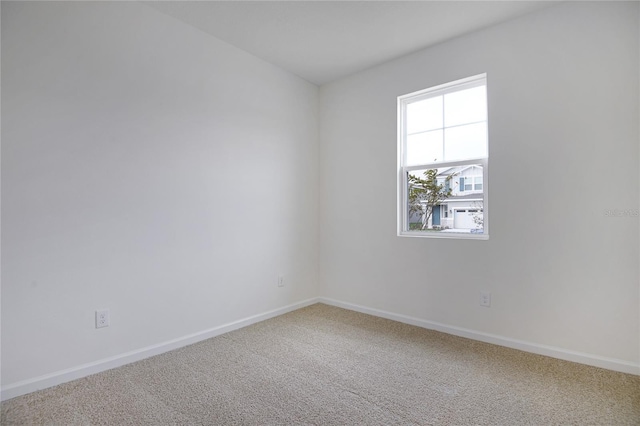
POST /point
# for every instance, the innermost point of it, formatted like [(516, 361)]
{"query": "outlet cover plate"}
[(102, 318), (485, 299)]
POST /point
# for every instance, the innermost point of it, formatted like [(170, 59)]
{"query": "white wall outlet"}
[(102, 318), (485, 299), (280, 280)]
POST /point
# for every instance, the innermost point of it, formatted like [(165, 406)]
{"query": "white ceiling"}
[(321, 41)]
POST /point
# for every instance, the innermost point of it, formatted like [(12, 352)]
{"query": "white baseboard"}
[(554, 352), (21, 388), (27, 386)]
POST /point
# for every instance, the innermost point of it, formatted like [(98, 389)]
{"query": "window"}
[(443, 161), (472, 183), (468, 185), (477, 185)]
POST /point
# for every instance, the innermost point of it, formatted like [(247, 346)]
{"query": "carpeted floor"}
[(328, 366)]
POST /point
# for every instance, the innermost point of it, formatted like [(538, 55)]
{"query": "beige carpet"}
[(328, 366)]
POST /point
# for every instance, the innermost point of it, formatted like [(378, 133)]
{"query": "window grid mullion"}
[(444, 154)]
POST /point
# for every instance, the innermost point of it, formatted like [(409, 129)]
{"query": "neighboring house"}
[(464, 209)]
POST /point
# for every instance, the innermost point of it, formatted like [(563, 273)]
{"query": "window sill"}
[(443, 235)]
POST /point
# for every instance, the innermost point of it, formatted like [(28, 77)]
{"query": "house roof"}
[(457, 169), (475, 195)]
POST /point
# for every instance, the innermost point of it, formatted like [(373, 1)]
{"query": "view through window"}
[(443, 161)]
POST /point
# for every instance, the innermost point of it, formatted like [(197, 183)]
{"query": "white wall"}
[(153, 170), (563, 95), (149, 169)]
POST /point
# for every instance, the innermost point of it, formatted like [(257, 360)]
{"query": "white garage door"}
[(463, 218)]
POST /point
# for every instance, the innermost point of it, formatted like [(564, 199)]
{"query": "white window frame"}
[(403, 101)]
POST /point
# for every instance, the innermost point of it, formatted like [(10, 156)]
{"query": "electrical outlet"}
[(102, 318), (280, 280), (485, 299)]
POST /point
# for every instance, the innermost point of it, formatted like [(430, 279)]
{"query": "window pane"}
[(465, 106), (433, 208), (424, 148), (464, 142), (424, 115)]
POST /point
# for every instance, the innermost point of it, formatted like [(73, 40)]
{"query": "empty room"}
[(320, 212)]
